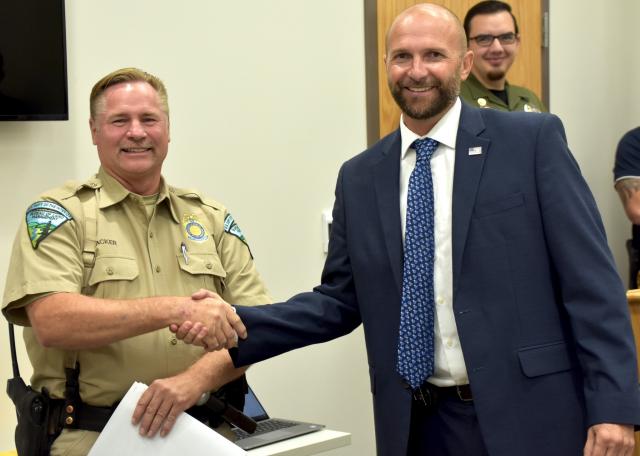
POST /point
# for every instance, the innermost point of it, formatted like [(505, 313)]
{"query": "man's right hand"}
[(212, 323)]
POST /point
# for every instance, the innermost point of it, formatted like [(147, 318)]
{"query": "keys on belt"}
[(428, 394)]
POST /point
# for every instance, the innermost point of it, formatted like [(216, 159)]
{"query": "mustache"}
[(135, 147), (425, 83)]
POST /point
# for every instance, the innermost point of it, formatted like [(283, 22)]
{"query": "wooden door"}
[(382, 112)]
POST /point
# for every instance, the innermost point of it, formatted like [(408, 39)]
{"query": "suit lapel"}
[(468, 169), (467, 173), (386, 178)]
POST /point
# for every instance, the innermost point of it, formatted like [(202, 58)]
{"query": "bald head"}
[(426, 58), (431, 14)]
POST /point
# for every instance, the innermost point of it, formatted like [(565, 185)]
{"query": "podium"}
[(304, 445), (633, 298)]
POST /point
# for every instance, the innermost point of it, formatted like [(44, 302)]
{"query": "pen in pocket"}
[(183, 249)]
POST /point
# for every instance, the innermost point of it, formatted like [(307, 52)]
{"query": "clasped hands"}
[(211, 323)]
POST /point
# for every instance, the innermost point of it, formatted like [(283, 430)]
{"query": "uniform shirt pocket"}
[(205, 269), (107, 268)]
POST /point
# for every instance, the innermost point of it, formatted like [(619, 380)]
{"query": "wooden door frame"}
[(372, 61)]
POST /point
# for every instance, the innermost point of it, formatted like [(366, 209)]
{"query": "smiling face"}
[(131, 132), (426, 59), (490, 64)]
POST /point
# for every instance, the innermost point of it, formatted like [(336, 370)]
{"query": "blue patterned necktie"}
[(415, 344)]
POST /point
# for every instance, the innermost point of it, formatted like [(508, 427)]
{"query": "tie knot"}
[(425, 148)]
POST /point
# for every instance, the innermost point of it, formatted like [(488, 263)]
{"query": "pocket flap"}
[(545, 359), (113, 268), (202, 263)]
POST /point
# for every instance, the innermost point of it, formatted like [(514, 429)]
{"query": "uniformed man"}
[(492, 35), (101, 269)]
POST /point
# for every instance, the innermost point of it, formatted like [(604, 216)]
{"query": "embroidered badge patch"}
[(231, 227), (194, 229), (43, 218)]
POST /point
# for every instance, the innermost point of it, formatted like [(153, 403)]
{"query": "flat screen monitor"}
[(33, 62)]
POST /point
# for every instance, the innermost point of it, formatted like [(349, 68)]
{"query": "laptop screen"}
[(253, 408)]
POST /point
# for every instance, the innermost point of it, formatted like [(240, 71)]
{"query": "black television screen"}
[(33, 67)]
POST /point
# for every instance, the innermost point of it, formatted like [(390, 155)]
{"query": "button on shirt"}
[(449, 361)]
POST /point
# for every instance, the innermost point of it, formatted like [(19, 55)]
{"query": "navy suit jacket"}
[(540, 309)]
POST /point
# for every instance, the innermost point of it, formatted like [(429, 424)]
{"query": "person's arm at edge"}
[(628, 190)]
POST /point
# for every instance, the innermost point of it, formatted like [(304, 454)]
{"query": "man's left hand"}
[(159, 406), (608, 439)]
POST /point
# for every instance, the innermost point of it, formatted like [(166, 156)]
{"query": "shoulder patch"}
[(231, 227), (43, 218)]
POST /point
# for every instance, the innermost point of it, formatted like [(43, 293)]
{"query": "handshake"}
[(209, 322)]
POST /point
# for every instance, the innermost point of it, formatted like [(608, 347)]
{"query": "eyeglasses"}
[(487, 40)]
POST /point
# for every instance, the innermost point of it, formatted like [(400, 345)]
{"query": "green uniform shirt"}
[(138, 253), (520, 99)]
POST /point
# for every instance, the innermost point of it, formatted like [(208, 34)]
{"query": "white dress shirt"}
[(449, 361)]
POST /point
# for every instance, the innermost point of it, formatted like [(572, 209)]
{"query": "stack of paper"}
[(188, 434)]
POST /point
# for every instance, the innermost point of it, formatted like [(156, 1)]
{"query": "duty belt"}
[(75, 414), (79, 416), (92, 418)]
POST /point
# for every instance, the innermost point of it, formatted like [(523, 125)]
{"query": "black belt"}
[(91, 418), (82, 416), (428, 394)]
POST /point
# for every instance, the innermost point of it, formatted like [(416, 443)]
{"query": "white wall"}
[(595, 69), (267, 100)]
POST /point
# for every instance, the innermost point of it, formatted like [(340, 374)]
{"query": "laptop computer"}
[(269, 430)]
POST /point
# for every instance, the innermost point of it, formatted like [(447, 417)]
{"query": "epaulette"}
[(71, 188), (65, 191), (190, 193)]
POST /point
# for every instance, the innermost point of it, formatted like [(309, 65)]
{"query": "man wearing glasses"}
[(492, 34)]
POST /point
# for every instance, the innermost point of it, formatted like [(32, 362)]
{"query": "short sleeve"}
[(52, 263), (627, 162), (244, 286)]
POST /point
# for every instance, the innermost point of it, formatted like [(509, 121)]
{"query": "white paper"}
[(188, 434)]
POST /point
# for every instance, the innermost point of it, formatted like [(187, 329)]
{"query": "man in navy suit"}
[(532, 345)]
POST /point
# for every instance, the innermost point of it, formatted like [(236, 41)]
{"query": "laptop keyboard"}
[(263, 427)]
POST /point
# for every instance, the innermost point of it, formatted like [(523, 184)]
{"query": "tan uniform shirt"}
[(520, 98), (177, 247)]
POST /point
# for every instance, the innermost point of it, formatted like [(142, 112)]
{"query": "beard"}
[(445, 94), (496, 75)]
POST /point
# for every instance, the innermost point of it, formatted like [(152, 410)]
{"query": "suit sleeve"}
[(591, 290), (327, 312)]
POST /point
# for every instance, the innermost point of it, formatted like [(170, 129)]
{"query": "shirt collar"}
[(445, 131), (112, 192)]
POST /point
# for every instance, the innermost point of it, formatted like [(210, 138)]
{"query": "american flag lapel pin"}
[(475, 150)]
